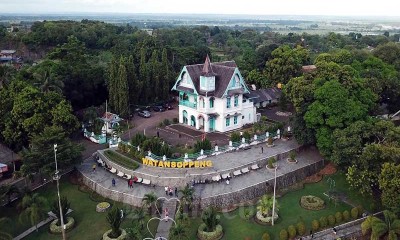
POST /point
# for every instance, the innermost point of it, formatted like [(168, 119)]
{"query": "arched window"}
[(211, 102), (185, 118)]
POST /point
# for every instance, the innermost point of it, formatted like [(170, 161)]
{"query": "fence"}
[(217, 149)]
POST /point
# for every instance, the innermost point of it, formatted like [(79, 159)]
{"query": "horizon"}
[(339, 8)]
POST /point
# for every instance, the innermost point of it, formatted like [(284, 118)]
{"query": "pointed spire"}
[(207, 70)]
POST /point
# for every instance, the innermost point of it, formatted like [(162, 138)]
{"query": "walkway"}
[(164, 226), (32, 229)]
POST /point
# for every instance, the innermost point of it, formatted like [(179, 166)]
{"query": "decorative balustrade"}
[(188, 104)]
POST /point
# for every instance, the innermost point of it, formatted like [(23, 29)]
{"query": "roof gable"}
[(223, 72)]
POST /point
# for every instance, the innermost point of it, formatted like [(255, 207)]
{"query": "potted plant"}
[(292, 157), (271, 162), (270, 142)]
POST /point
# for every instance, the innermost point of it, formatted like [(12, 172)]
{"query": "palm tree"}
[(134, 233), (210, 218), (139, 216), (148, 200), (265, 205), (181, 217), (9, 191), (178, 233), (187, 196), (65, 205), (390, 226), (33, 208), (114, 220), (3, 233), (49, 83)]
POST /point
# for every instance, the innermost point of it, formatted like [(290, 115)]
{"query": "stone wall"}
[(112, 194), (185, 176), (228, 200)]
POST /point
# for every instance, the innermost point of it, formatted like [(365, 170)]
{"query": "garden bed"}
[(121, 160)]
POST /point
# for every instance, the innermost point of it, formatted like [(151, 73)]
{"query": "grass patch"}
[(121, 159), (237, 227), (90, 225)]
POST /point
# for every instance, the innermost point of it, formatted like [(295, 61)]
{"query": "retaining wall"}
[(227, 200)]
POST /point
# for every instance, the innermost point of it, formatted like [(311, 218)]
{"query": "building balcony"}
[(188, 104)]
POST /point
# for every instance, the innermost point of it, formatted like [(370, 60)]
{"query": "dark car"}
[(144, 113), (168, 106), (158, 108)]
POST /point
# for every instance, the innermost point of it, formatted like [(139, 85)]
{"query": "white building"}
[(211, 97)]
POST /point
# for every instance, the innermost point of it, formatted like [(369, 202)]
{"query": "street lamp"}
[(57, 178), (273, 203)]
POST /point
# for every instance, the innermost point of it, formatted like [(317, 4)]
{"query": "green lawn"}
[(236, 227), (121, 159), (88, 223)]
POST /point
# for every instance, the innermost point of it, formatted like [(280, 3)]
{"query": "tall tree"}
[(40, 155), (34, 208), (165, 75), (155, 76), (123, 90), (389, 183), (112, 82), (133, 83), (144, 77)]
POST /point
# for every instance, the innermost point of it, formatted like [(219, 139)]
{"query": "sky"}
[(248, 7)]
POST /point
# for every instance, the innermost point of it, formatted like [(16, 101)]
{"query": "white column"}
[(206, 125), (197, 122)]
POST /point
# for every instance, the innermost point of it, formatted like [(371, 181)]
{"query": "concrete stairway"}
[(164, 226)]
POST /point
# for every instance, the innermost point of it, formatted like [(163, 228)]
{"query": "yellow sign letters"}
[(169, 164)]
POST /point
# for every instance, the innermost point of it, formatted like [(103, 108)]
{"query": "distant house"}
[(8, 160), (111, 122), (264, 97), (308, 68), (7, 55)]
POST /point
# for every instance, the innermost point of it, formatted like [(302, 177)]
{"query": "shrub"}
[(265, 236), (301, 228), (270, 141), (205, 145), (56, 228), (292, 231), (338, 217), (361, 209), (246, 135), (315, 225), (283, 235), (323, 222), (346, 216), (121, 160), (166, 122), (312, 202), (292, 155), (235, 137), (271, 162), (161, 124), (331, 220), (354, 213), (114, 220), (204, 235), (175, 120)]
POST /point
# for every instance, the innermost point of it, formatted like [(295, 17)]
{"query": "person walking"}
[(176, 192), (94, 167), (166, 214), (166, 190), (262, 149), (113, 182), (130, 183)]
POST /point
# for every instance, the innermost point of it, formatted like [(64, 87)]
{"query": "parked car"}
[(158, 108), (168, 106), (144, 113)]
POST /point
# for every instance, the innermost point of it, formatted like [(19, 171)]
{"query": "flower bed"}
[(102, 207), (265, 220), (312, 203), (54, 228), (203, 235), (121, 237)]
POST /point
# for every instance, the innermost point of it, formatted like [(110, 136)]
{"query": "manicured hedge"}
[(203, 235), (57, 229), (312, 202), (121, 237)]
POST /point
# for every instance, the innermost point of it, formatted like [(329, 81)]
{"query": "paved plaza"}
[(222, 162)]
